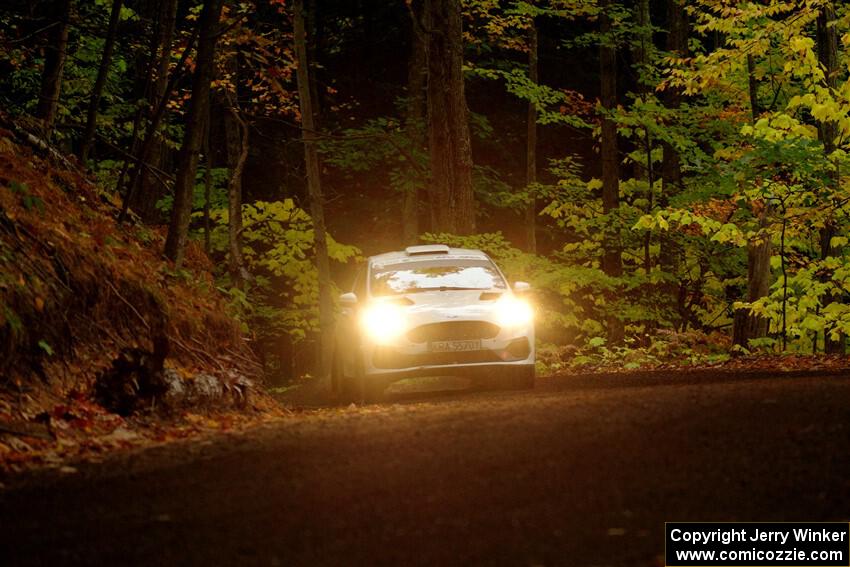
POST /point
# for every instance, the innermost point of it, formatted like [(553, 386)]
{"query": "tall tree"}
[(417, 80), (187, 162), (677, 46), (236, 261), (745, 325), (314, 188), (100, 81), (531, 146), (54, 64), (452, 196), (828, 131), (641, 53), (671, 167), (612, 263)]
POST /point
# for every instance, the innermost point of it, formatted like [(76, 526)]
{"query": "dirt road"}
[(578, 472)]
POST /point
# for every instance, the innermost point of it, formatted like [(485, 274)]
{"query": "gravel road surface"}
[(580, 471)]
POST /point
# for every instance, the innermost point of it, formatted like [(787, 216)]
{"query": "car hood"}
[(433, 306)]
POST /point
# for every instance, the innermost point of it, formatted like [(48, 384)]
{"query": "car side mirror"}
[(520, 287), (348, 299)]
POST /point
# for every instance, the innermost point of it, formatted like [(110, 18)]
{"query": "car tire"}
[(346, 389), (355, 389)]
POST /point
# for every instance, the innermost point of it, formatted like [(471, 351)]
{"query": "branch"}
[(35, 33)]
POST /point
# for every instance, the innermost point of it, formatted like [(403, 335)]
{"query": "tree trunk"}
[(745, 325), (417, 79), (643, 47), (187, 163), (100, 81), (236, 264), (669, 254), (752, 85), (671, 169), (205, 149), (531, 147), (235, 133), (612, 252), (452, 196), (54, 66), (828, 131), (314, 188), (641, 54), (311, 31), (149, 190)]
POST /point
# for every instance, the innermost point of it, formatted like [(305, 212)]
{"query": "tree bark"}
[(612, 252), (531, 147), (54, 66), (452, 196), (827, 37), (417, 80), (314, 188), (100, 81), (187, 163)]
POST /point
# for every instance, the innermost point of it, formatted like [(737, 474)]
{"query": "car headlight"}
[(513, 312), (383, 322)]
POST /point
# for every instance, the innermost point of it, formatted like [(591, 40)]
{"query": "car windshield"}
[(435, 275)]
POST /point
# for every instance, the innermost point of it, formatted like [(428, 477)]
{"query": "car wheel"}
[(354, 389), (346, 389)]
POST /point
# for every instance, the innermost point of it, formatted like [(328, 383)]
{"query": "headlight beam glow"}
[(383, 322), (513, 312)]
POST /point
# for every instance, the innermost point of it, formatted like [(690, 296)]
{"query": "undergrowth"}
[(76, 288)]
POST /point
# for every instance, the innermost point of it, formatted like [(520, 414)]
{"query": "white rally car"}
[(432, 311)]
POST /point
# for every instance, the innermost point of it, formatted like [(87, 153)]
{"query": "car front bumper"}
[(407, 359)]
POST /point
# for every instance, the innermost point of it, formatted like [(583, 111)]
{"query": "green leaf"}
[(45, 346)]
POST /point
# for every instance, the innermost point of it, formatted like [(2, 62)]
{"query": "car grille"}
[(453, 331), (388, 358)]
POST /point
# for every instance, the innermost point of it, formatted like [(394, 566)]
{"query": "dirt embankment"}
[(95, 328)]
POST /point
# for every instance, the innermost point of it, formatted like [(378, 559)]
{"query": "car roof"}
[(419, 253)]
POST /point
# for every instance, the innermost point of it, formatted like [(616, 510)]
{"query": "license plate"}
[(454, 346)]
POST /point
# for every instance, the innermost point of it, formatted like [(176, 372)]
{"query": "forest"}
[(669, 175)]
